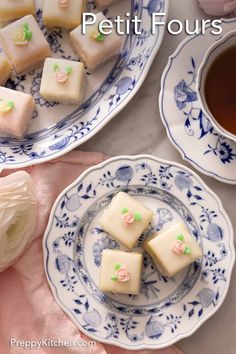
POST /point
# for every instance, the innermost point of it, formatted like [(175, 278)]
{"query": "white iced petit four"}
[(63, 81), (11, 10), (16, 110), (101, 4), (93, 48), (5, 68), (173, 249), (63, 13), (125, 219), (121, 272), (25, 44)]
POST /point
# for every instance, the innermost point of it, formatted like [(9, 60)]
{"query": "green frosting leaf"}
[(117, 266), (69, 70), (11, 104), (137, 216), (55, 67), (28, 35), (26, 26), (100, 37), (27, 32), (180, 237), (124, 210), (187, 250), (114, 278)]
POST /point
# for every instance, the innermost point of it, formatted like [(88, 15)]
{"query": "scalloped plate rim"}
[(207, 189), (169, 134), (104, 122)]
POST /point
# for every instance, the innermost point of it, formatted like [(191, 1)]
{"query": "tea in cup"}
[(216, 85)]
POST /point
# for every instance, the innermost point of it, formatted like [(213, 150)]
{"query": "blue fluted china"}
[(57, 128), (167, 309), (187, 127)]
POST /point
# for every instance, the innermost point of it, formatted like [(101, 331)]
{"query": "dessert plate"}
[(187, 127), (167, 309), (57, 128)]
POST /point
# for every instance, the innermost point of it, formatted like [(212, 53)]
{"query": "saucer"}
[(167, 309), (187, 127), (58, 128)]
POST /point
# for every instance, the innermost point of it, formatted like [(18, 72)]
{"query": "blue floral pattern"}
[(73, 126), (183, 117), (166, 308), (185, 98)]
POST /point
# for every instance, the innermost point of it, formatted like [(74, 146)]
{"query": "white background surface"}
[(137, 130)]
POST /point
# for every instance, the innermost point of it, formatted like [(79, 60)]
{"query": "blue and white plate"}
[(58, 128), (167, 309), (187, 127)]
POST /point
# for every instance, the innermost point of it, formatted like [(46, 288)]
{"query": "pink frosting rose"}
[(128, 219), (178, 247), (123, 275), (63, 3), (61, 77)]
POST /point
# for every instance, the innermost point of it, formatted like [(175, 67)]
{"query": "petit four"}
[(12, 10), (25, 44), (125, 219), (16, 110), (63, 13), (172, 249), (120, 272), (101, 4), (94, 48), (63, 81), (5, 68)]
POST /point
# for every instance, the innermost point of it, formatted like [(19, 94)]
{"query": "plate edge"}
[(221, 208)]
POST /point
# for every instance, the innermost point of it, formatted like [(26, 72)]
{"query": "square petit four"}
[(173, 249), (16, 110), (12, 10), (125, 219), (120, 272), (93, 48), (5, 68), (63, 81), (25, 44), (63, 13), (101, 4)]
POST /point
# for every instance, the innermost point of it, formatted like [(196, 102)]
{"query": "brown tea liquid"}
[(220, 89)]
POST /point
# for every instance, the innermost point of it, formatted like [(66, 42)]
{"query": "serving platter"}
[(57, 128), (187, 127), (167, 309)]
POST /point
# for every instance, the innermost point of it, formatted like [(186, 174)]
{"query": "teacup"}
[(214, 52)]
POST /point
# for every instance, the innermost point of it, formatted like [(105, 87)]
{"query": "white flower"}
[(18, 209)]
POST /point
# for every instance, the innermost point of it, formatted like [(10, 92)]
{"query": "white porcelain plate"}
[(58, 128), (167, 309), (187, 127)]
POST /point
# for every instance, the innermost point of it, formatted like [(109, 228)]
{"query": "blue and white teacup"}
[(226, 42)]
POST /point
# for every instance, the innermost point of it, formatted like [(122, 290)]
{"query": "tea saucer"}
[(167, 309), (187, 127)]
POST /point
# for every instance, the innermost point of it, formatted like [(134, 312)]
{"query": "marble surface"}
[(138, 129)]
